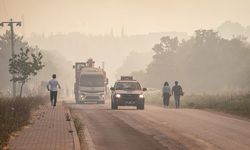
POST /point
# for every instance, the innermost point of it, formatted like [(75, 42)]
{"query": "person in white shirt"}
[(52, 87), (166, 93)]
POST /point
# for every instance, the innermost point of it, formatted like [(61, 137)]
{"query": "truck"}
[(90, 82), (127, 92)]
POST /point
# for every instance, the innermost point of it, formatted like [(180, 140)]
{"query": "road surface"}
[(156, 128)]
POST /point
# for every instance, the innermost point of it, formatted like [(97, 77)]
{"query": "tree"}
[(204, 63), (166, 45), (163, 65), (5, 55), (24, 65)]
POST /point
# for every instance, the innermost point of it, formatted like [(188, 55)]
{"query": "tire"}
[(113, 106), (140, 105), (102, 102)]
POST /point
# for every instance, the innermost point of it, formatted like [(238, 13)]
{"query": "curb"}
[(74, 133)]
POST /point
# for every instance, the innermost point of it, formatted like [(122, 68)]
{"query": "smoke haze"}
[(138, 17), (120, 33)]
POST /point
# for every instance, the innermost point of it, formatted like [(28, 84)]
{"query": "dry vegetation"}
[(16, 113), (238, 104)]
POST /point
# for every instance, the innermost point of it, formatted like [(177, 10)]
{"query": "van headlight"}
[(141, 96), (102, 95), (82, 96), (118, 95)]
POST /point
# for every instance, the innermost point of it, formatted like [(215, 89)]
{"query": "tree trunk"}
[(21, 91)]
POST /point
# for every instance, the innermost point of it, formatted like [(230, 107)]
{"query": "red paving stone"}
[(50, 131)]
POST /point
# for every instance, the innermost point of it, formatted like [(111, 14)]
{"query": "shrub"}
[(238, 104), (16, 113)]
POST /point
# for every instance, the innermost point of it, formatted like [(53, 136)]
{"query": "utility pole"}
[(11, 23)]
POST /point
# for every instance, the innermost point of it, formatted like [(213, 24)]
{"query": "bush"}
[(16, 113), (238, 104)]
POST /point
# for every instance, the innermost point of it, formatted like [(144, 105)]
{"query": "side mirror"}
[(107, 81), (144, 89), (112, 88)]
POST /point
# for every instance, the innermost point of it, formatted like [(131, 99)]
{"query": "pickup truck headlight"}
[(118, 95), (141, 96)]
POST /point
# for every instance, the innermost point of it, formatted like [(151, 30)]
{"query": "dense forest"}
[(204, 63)]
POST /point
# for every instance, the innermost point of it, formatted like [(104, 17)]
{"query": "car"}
[(127, 92)]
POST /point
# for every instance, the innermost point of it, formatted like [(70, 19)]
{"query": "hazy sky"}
[(137, 16)]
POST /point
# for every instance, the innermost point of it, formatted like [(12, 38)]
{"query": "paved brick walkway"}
[(50, 131)]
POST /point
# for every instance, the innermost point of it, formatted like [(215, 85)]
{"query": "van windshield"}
[(92, 80)]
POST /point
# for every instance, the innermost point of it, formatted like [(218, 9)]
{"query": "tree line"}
[(205, 62)]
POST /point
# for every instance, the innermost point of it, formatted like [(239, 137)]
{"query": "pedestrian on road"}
[(177, 92), (166, 93), (52, 87)]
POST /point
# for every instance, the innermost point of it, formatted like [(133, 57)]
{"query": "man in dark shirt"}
[(177, 92)]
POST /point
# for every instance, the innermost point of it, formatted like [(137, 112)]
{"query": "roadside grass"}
[(78, 125), (237, 104), (79, 128), (16, 113)]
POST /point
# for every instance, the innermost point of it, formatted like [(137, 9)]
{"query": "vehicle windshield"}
[(92, 81), (127, 86)]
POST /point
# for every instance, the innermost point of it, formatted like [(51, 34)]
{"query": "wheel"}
[(140, 105), (102, 102), (113, 106)]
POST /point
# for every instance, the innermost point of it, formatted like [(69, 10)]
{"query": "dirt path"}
[(157, 128)]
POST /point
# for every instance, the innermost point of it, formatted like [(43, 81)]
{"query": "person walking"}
[(177, 92), (166, 93), (52, 87)]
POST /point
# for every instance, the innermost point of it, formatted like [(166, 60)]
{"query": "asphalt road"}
[(156, 128)]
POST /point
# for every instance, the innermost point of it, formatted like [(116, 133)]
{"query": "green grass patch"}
[(79, 129), (78, 125), (16, 113)]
